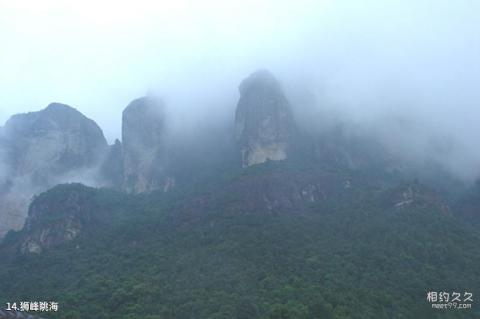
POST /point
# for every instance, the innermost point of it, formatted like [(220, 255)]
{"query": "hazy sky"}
[(99, 55), (369, 59)]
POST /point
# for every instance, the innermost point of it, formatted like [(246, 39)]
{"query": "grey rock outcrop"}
[(143, 146), (56, 217), (415, 194), (41, 149), (263, 120), (112, 167), (53, 141)]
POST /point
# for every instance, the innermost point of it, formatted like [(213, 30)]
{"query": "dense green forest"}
[(185, 254)]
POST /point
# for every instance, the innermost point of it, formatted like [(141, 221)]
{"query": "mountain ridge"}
[(337, 228)]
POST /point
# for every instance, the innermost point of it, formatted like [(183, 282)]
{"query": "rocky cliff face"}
[(143, 149), (53, 141), (112, 166), (263, 120), (41, 149), (56, 217)]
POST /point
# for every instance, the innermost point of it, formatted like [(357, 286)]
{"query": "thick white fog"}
[(407, 71)]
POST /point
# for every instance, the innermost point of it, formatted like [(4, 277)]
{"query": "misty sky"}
[(366, 60)]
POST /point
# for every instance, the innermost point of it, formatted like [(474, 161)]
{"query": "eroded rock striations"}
[(263, 120), (143, 146), (56, 217), (41, 149)]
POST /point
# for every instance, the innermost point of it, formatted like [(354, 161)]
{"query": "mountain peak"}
[(40, 149), (56, 106), (143, 139), (263, 120), (260, 79)]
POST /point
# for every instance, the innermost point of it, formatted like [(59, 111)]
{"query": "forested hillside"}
[(353, 252)]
